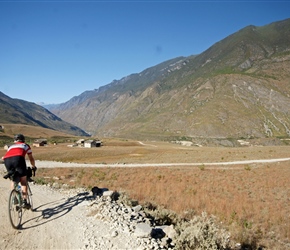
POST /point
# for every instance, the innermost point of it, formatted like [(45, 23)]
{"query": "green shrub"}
[(160, 215), (125, 199), (201, 167), (202, 232), (40, 181)]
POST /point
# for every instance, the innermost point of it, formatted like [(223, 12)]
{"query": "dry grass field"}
[(251, 200)]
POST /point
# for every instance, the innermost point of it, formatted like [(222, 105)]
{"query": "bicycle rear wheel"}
[(15, 209)]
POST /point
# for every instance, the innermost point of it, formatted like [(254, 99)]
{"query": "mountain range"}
[(16, 111), (237, 88)]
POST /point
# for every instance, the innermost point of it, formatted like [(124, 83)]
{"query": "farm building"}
[(92, 143), (39, 143), (80, 142)]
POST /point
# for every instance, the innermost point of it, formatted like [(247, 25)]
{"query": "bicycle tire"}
[(29, 197), (15, 209)]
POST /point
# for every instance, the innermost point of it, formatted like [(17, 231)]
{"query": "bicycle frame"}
[(17, 187)]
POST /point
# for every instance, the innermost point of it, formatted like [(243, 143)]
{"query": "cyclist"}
[(14, 160)]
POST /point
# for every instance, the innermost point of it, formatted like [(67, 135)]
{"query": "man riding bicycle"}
[(14, 160)]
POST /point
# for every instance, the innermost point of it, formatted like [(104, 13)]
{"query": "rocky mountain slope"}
[(238, 88), (17, 111)]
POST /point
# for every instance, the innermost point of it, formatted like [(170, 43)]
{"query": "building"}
[(92, 143), (98, 143), (39, 143), (80, 142)]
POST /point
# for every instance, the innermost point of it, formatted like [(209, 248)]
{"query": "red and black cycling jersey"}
[(18, 149)]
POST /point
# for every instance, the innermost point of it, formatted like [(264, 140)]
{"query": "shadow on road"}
[(55, 210)]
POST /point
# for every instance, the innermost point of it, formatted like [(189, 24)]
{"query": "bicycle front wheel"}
[(15, 209)]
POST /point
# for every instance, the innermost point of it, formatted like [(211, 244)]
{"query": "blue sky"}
[(51, 51)]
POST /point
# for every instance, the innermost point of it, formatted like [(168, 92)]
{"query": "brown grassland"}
[(251, 200)]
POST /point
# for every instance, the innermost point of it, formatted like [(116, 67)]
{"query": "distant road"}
[(52, 164)]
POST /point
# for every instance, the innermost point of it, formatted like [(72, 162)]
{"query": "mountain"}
[(22, 112), (238, 88)]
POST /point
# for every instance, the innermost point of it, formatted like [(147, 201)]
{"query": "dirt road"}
[(56, 223), (52, 164), (60, 221)]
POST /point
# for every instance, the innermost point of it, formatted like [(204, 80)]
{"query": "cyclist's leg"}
[(23, 181), (10, 167), (22, 172)]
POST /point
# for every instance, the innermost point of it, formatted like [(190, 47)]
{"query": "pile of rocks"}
[(131, 222), (116, 225)]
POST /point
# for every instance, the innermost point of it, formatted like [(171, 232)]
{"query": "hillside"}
[(10, 130), (15, 111), (238, 88)]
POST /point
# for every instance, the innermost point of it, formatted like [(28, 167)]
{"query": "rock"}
[(114, 234), (169, 231), (108, 193), (111, 194), (96, 191), (137, 208), (143, 230)]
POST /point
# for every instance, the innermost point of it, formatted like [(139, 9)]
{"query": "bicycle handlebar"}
[(34, 170), (10, 174)]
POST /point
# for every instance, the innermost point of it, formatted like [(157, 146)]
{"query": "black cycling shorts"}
[(16, 163)]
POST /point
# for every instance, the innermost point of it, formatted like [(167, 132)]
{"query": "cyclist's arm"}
[(31, 159)]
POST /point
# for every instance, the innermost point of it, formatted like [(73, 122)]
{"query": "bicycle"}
[(15, 202)]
